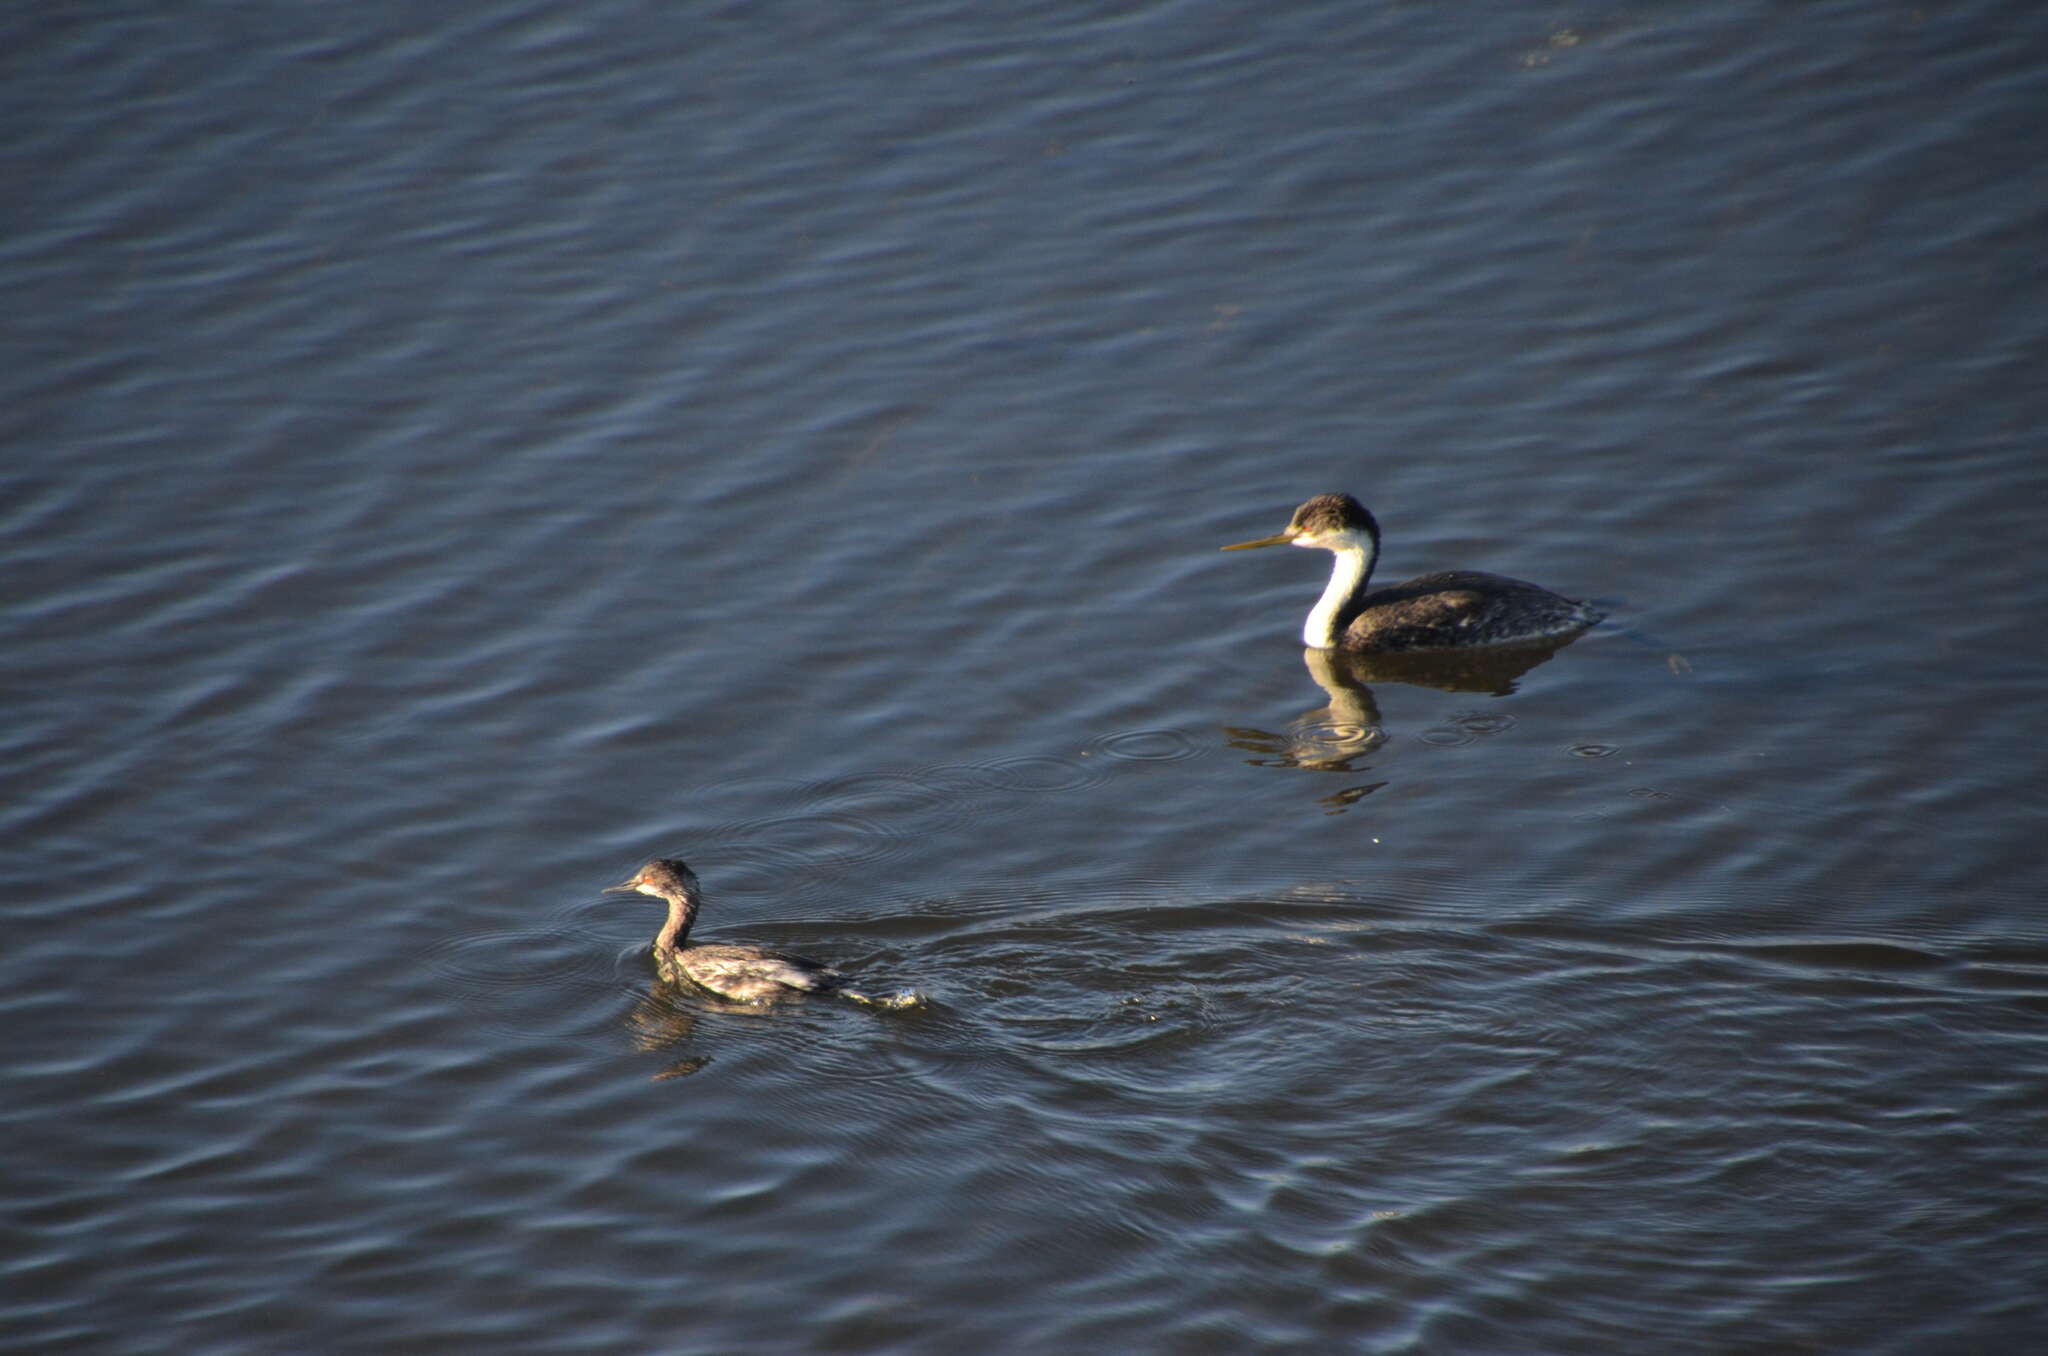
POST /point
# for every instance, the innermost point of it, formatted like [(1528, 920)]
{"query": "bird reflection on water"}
[(659, 1024), (1333, 737)]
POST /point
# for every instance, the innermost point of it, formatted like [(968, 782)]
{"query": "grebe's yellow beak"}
[(1279, 539)]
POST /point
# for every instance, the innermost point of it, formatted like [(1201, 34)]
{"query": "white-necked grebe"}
[(746, 974), (1451, 609)]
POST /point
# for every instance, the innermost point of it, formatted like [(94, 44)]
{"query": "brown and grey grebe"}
[(1451, 609), (747, 974)]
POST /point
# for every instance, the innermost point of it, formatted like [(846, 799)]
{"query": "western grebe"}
[(1448, 610), (747, 974)]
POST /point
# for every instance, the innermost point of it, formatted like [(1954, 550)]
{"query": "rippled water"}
[(452, 458)]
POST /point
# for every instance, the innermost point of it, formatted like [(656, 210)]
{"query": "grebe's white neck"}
[(1354, 552)]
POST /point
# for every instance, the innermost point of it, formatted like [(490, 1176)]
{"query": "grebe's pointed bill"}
[(1277, 539), (624, 887)]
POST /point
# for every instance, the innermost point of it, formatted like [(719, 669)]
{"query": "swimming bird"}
[(746, 974), (1450, 609)]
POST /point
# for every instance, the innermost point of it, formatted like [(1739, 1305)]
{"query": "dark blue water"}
[(451, 457)]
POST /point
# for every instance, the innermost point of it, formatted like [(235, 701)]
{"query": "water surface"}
[(451, 459)]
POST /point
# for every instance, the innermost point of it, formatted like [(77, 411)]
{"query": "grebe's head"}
[(1330, 522), (664, 878)]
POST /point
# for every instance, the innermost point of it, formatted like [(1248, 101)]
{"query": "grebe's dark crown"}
[(1328, 513), (662, 875)]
